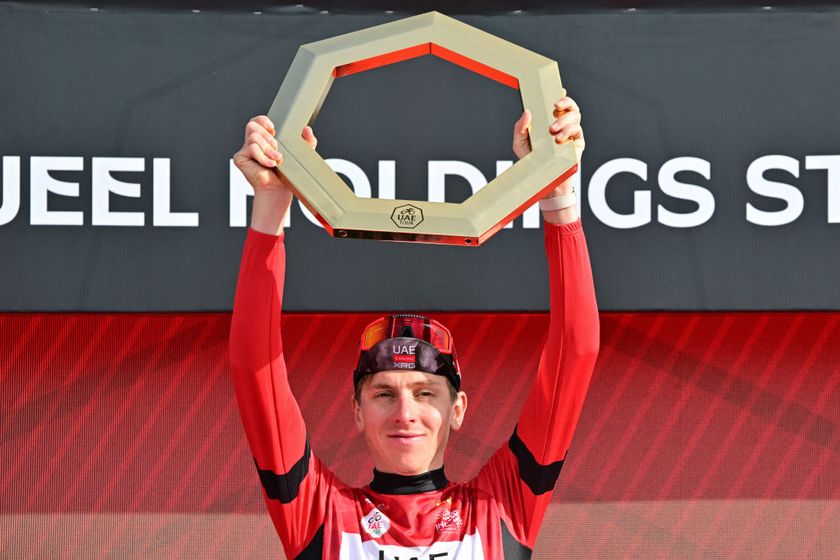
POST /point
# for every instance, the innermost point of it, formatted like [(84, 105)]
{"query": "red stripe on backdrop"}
[(816, 471), (643, 414), (816, 535), (671, 420), (45, 358), (600, 429), (685, 468), (17, 342), (176, 379), (109, 492), (678, 420), (775, 465), (49, 405), (135, 414)]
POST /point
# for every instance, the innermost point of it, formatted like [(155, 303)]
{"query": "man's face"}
[(406, 416)]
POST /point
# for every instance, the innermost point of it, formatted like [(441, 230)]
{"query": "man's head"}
[(406, 416), (407, 394)]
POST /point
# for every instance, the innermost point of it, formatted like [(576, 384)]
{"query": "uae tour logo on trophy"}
[(407, 216)]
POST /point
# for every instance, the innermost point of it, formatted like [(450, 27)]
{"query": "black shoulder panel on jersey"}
[(315, 549), (513, 549), (539, 478), (284, 487)]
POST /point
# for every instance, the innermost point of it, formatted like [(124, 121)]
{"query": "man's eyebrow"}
[(385, 385), (381, 385), (426, 383)]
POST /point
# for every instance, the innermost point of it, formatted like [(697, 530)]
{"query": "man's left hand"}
[(566, 127)]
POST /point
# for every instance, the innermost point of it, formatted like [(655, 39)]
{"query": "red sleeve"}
[(294, 483), (521, 475)]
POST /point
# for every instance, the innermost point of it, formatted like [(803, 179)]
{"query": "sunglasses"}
[(407, 325)]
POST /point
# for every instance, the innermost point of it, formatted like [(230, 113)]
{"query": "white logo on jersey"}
[(448, 521), (353, 548), (375, 523)]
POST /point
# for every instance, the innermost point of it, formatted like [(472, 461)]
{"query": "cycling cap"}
[(407, 341)]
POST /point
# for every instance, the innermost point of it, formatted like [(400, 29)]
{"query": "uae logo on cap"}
[(405, 356)]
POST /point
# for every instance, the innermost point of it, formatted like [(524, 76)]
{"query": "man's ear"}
[(357, 413), (459, 410)]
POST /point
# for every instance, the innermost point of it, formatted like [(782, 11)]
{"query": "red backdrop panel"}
[(703, 435)]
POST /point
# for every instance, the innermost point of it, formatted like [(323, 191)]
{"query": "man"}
[(407, 398)]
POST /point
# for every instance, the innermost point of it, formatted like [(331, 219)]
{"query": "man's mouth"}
[(405, 438)]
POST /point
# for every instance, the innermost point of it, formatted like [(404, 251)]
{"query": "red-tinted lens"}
[(424, 329), (375, 332), (440, 337)]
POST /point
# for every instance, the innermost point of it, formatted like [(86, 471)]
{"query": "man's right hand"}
[(259, 156), (257, 160)]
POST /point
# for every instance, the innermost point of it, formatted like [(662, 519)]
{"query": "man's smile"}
[(405, 438)]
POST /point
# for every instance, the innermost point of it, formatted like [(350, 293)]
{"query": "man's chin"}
[(409, 466)]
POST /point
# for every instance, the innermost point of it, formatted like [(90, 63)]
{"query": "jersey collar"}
[(389, 483)]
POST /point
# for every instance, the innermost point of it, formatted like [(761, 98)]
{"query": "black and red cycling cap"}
[(407, 341)]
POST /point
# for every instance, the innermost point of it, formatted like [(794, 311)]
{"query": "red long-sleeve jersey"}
[(495, 515)]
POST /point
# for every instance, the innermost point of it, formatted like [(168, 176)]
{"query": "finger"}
[(260, 137), (260, 124), (253, 128), (565, 104), (572, 117), (265, 122), (264, 145), (572, 131), (241, 157), (521, 126), (262, 158), (308, 136)]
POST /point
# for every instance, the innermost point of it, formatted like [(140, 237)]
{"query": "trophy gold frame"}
[(469, 223)]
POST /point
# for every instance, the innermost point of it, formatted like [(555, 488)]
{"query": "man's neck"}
[(390, 483)]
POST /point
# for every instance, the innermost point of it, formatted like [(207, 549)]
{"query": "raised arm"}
[(522, 474), (292, 480), (550, 415)]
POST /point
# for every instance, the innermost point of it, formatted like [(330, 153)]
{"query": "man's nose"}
[(406, 409)]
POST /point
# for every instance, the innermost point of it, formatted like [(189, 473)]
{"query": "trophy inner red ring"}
[(422, 50)]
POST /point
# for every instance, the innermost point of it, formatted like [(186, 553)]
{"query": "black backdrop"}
[(171, 89)]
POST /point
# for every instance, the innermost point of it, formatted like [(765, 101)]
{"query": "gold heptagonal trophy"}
[(471, 222)]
